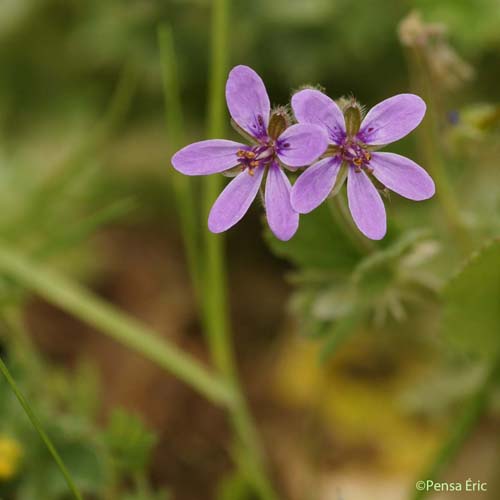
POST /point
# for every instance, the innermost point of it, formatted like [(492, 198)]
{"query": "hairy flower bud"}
[(278, 122), (353, 117)]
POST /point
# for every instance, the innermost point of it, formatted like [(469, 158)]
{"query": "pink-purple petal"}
[(366, 205), (403, 176), (312, 106), (301, 144), (233, 203), (392, 119), (207, 157), (282, 218), (315, 184), (248, 101)]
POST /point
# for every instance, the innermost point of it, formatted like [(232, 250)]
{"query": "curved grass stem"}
[(93, 311), (39, 429)]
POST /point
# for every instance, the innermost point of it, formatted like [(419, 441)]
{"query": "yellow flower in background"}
[(10, 457), (361, 409)]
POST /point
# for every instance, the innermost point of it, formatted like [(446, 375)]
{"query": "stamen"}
[(354, 153), (257, 157)]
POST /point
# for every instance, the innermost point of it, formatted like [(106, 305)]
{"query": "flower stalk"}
[(340, 213), (431, 150), (215, 307)]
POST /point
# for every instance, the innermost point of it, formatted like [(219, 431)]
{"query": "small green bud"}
[(352, 116)]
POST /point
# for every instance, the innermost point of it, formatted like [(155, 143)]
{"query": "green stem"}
[(461, 430), (340, 212), (36, 424), (429, 133), (90, 309), (215, 307), (181, 184)]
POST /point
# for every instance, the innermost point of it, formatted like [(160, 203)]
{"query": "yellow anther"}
[(250, 154), (254, 164), (358, 162), (240, 153), (368, 156)]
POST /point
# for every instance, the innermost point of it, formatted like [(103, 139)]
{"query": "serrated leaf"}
[(471, 318)]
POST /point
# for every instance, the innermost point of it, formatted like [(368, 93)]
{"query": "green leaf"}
[(471, 319), (129, 440), (319, 243)]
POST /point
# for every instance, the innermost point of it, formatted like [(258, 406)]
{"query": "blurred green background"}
[(86, 187)]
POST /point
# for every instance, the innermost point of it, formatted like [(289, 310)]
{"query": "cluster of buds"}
[(446, 67)]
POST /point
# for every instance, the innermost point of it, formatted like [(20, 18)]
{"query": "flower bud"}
[(353, 117), (278, 122)]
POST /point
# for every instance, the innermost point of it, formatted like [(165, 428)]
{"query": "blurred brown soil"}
[(143, 273)]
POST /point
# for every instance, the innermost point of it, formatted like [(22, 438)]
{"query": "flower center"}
[(258, 156), (356, 155)]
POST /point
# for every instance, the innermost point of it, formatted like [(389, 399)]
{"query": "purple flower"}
[(272, 147), (387, 122)]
